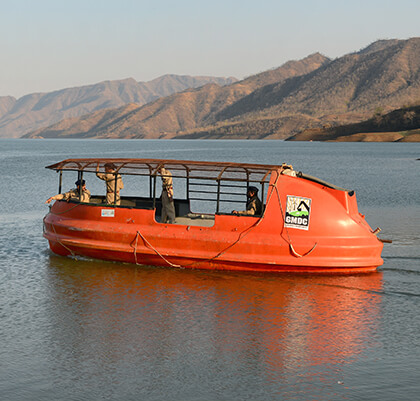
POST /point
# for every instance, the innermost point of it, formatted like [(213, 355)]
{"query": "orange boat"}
[(306, 224)]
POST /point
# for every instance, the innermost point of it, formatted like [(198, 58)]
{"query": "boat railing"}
[(209, 187)]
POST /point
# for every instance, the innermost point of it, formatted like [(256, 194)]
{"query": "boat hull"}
[(337, 240), (187, 262)]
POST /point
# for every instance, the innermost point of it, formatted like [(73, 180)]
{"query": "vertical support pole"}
[(80, 186), (262, 194), (188, 184), (150, 185), (154, 192), (60, 182), (115, 188), (218, 196)]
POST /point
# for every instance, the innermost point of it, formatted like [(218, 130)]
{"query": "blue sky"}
[(48, 45)]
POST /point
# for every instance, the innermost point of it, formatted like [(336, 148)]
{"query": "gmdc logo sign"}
[(298, 211)]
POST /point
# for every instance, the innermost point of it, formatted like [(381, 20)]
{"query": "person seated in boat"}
[(168, 207), (74, 194), (253, 204), (109, 177)]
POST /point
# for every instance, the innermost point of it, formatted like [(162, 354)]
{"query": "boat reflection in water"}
[(169, 322)]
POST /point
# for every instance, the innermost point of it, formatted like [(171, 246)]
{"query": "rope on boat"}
[(242, 235), (65, 211), (56, 235), (292, 249), (298, 255), (58, 240), (151, 246), (55, 232)]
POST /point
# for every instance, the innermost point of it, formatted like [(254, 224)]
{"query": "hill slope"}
[(358, 82), (382, 77), (36, 110), (401, 125), (187, 110)]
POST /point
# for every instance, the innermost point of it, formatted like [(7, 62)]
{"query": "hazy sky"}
[(48, 45)]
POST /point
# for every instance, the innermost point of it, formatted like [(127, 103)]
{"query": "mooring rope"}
[(152, 247), (242, 235), (292, 249), (58, 240), (65, 211)]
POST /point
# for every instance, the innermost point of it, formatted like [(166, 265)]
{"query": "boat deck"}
[(183, 215)]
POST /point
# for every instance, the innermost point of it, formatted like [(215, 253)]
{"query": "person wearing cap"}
[(74, 194), (168, 206), (253, 204), (109, 177)]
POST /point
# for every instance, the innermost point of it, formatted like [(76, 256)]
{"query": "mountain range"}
[(37, 110), (313, 93), (167, 116)]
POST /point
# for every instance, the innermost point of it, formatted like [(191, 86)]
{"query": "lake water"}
[(93, 330)]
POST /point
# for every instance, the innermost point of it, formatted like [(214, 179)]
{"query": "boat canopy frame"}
[(217, 175)]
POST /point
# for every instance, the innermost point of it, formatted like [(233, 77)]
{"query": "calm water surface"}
[(93, 330)]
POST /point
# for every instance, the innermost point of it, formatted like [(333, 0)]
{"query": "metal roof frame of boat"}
[(178, 168)]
